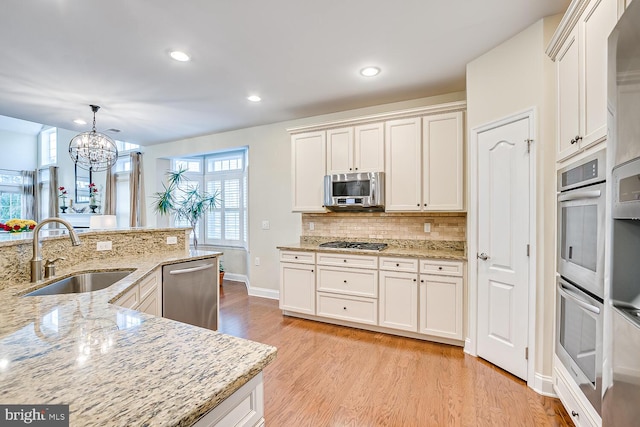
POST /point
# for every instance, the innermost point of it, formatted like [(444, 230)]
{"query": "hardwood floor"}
[(327, 375)]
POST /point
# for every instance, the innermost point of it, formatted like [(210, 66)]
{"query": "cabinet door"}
[(597, 22), (308, 155), (568, 67), (369, 148), (298, 288), (441, 306), (150, 305), (398, 300), (442, 172), (340, 151), (403, 165)]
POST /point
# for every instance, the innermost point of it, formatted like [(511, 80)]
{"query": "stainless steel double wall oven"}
[(580, 287)]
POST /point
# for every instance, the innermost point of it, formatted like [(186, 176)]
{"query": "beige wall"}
[(269, 181), (511, 78)]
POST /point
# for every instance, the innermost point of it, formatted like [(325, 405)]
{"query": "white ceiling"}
[(301, 56)]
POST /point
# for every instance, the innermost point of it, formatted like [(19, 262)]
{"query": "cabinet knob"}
[(344, 260), (312, 271), (425, 204), (573, 141), (350, 169), (397, 265), (421, 280), (439, 268), (418, 204), (344, 308), (356, 168), (415, 280), (574, 414), (345, 281), (295, 257)]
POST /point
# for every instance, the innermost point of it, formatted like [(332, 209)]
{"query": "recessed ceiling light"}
[(254, 98), (370, 71), (179, 56), (79, 122)]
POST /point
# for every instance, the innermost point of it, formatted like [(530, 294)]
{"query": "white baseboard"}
[(468, 348), (543, 384), (254, 292)]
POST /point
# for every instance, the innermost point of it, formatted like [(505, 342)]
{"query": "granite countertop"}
[(390, 251), (116, 366)]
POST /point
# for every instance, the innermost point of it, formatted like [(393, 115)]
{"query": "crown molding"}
[(568, 22), (448, 107)]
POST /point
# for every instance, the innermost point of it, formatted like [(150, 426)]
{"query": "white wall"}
[(19, 151), (269, 182), (513, 77)]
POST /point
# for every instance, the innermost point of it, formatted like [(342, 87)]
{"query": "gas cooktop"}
[(363, 246)]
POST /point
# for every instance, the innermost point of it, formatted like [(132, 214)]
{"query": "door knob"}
[(483, 256)]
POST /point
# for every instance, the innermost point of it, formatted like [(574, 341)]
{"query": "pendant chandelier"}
[(93, 151)]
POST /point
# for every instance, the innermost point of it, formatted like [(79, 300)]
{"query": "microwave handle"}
[(577, 195), (576, 298)]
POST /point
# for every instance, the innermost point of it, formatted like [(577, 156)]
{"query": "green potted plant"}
[(185, 201)]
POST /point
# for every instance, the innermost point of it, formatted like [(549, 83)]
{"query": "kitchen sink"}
[(85, 282)]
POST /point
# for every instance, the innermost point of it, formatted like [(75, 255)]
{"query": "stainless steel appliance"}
[(362, 246), (190, 293), (581, 220), (580, 285), (362, 191), (579, 338), (621, 400)]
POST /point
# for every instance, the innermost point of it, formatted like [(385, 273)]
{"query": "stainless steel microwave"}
[(363, 191)]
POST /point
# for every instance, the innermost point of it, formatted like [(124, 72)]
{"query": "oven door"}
[(579, 339), (581, 237)]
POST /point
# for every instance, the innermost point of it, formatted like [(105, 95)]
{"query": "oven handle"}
[(577, 195), (577, 299)]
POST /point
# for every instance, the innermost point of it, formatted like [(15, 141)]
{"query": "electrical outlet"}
[(427, 227), (172, 240), (312, 226), (265, 225), (257, 261), (103, 246)]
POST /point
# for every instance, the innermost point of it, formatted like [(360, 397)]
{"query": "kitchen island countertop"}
[(116, 366)]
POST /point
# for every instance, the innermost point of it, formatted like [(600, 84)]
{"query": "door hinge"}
[(528, 141), (526, 353), (528, 249)]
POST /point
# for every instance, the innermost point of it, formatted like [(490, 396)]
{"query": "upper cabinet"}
[(308, 154), (579, 48), (355, 149), (424, 168), (421, 152)]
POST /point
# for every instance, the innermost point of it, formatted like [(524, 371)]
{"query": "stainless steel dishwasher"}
[(190, 293)]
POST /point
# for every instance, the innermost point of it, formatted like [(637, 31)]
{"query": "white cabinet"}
[(244, 408), (298, 282), (441, 306), (581, 61), (399, 300), (356, 149), (145, 296), (403, 165), (424, 163), (442, 162), (308, 155)]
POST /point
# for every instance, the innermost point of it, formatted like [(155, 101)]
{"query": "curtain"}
[(53, 191), (110, 201), (137, 216), (29, 207)]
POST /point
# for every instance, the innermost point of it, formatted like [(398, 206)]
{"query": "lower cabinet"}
[(298, 282), (399, 300), (244, 408), (441, 306), (402, 295), (145, 296)]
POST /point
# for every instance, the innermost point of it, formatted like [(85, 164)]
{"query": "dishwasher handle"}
[(191, 270)]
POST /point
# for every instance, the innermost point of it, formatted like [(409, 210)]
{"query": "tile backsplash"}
[(386, 225)]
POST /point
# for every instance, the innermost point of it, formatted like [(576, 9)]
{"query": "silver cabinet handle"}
[(191, 270), (483, 256)]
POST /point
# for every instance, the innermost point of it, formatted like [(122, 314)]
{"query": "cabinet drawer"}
[(399, 264), (348, 281), (575, 409), (354, 309), (348, 260), (148, 286), (449, 268), (298, 256)]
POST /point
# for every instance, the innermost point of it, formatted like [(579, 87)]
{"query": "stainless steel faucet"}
[(36, 261)]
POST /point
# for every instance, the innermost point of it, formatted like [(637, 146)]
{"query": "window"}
[(10, 195), (223, 173), (48, 147)]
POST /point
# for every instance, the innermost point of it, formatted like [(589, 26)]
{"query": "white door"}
[(503, 235)]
